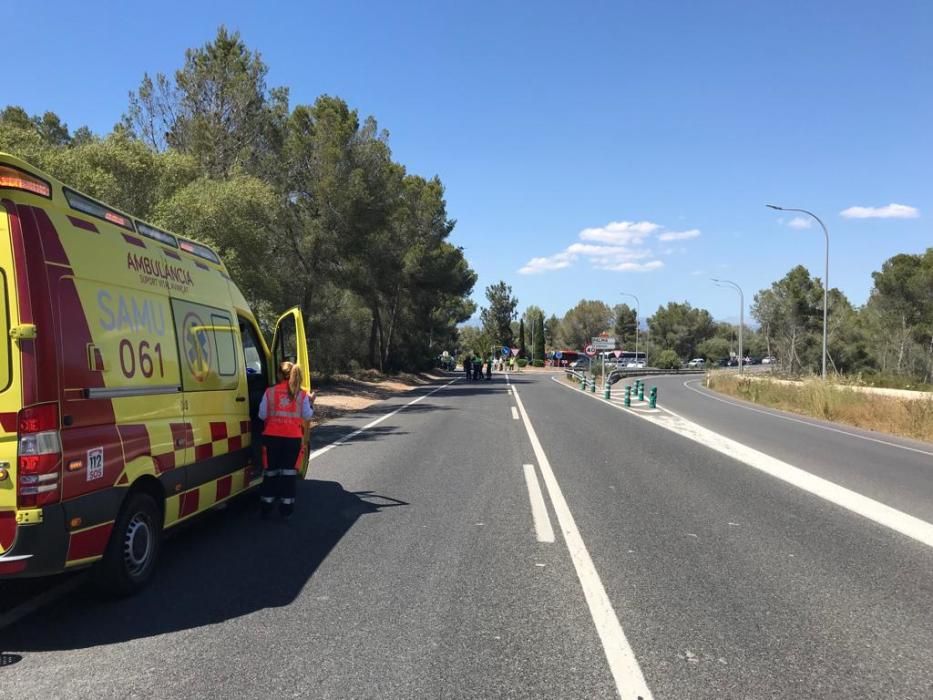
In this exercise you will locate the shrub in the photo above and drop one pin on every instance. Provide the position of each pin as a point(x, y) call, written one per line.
point(538, 363)
point(522, 362)
point(667, 359)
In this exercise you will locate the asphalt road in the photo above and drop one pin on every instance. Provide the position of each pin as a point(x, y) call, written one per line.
point(413, 568)
point(895, 471)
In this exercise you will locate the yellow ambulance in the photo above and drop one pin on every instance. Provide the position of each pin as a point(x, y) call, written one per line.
point(131, 369)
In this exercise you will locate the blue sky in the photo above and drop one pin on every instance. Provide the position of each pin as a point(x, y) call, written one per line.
point(574, 137)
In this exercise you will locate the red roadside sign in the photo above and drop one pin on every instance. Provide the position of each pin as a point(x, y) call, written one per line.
point(590, 350)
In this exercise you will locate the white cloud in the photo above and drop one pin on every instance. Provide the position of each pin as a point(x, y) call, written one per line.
point(607, 254)
point(590, 249)
point(679, 235)
point(892, 211)
point(553, 262)
point(634, 266)
point(697, 273)
point(800, 222)
point(618, 246)
point(620, 232)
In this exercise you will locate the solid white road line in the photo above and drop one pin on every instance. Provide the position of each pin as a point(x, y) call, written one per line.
point(804, 422)
point(876, 511)
point(321, 450)
point(543, 530)
point(514, 413)
point(630, 682)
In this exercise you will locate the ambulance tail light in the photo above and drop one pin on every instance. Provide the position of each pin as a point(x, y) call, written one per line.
point(39, 456)
point(16, 179)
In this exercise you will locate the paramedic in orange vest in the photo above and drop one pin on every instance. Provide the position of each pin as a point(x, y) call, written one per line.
point(286, 410)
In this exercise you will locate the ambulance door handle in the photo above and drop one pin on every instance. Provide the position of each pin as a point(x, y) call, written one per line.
point(240, 399)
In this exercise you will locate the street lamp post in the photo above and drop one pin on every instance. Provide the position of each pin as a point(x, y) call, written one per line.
point(723, 283)
point(637, 320)
point(825, 275)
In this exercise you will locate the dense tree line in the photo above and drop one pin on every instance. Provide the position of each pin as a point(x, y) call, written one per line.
point(304, 203)
point(891, 335)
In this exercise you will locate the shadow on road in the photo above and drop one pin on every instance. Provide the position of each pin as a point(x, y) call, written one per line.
point(225, 565)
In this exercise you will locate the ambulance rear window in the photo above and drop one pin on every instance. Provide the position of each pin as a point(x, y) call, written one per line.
point(86, 205)
point(156, 234)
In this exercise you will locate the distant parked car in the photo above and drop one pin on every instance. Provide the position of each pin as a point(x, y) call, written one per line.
point(697, 362)
point(636, 364)
point(582, 363)
point(770, 360)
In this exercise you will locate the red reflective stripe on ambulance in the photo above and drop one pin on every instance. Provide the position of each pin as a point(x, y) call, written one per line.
point(8, 422)
point(188, 503)
point(224, 486)
point(218, 430)
point(182, 435)
point(165, 462)
point(135, 441)
point(48, 236)
point(7, 529)
point(39, 385)
point(89, 543)
point(26, 267)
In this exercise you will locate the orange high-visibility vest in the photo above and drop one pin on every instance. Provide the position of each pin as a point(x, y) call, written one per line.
point(283, 413)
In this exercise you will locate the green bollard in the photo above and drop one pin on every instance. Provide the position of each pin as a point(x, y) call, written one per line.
point(606, 391)
point(593, 385)
point(641, 392)
point(583, 383)
point(627, 399)
point(653, 397)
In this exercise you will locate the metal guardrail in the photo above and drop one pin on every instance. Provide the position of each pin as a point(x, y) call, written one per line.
point(617, 374)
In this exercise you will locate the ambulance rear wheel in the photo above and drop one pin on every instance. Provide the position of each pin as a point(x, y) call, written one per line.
point(131, 554)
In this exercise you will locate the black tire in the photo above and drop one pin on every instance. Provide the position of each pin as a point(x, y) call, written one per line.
point(133, 549)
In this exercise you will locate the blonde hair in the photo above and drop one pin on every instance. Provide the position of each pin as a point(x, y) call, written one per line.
point(291, 372)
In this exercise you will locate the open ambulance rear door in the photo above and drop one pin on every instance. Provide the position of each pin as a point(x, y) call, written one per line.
point(290, 343)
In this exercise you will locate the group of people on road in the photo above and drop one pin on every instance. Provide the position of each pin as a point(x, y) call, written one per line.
point(476, 368)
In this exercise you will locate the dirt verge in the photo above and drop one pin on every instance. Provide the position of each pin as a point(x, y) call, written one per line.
point(342, 394)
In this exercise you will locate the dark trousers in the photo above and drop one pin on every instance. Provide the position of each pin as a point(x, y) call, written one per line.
point(280, 478)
